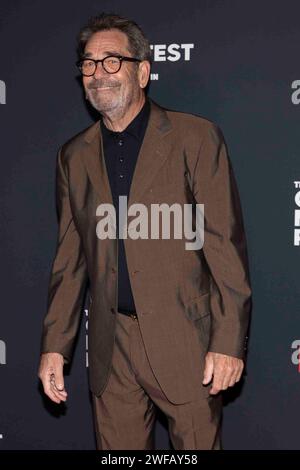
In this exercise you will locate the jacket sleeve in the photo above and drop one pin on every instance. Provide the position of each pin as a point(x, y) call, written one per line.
point(225, 249)
point(68, 276)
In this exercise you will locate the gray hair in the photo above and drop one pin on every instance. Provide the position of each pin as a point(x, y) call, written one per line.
point(138, 44)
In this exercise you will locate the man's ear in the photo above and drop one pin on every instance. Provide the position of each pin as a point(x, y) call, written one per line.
point(144, 73)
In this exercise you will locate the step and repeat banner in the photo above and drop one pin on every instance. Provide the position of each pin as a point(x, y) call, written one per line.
point(233, 62)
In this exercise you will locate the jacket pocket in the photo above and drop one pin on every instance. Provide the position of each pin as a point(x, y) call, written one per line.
point(198, 307)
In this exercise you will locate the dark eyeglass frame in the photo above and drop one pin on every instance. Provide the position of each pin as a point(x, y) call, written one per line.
point(120, 57)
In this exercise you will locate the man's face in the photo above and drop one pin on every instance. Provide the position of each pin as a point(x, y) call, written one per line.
point(111, 92)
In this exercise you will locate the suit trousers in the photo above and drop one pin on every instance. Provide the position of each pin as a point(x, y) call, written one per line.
point(125, 413)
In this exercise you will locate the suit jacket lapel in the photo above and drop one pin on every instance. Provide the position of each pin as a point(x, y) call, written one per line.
point(94, 161)
point(155, 149)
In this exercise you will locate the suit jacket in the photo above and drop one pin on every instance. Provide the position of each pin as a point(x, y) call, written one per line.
point(187, 301)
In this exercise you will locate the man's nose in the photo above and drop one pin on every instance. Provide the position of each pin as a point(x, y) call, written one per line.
point(99, 72)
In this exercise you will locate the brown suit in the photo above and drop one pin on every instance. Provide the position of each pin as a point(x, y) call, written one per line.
point(187, 301)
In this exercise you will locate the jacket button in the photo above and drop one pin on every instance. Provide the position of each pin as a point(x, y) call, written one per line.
point(112, 310)
point(113, 270)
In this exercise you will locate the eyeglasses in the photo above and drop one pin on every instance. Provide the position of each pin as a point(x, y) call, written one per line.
point(111, 64)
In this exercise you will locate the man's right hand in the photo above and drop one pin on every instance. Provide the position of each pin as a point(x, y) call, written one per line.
point(51, 375)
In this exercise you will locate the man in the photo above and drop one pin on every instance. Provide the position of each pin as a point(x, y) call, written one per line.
point(167, 325)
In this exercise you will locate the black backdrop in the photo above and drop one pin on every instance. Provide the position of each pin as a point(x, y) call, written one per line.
point(238, 66)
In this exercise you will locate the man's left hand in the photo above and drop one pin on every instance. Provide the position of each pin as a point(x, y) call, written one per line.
point(225, 371)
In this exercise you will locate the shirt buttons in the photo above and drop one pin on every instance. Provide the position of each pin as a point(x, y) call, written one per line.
point(121, 176)
point(120, 142)
point(121, 159)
